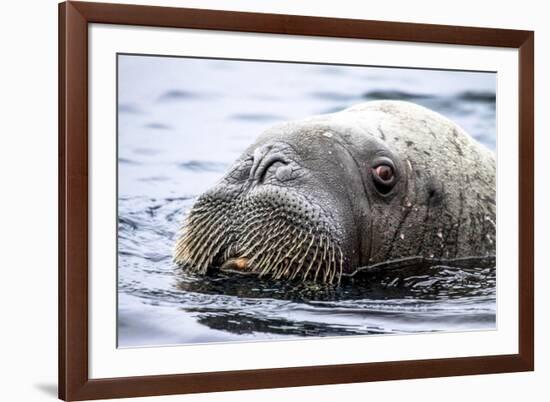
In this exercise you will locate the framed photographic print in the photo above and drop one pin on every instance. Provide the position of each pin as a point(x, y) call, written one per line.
point(259, 200)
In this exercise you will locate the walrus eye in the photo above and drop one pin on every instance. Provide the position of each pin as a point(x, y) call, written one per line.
point(383, 175)
point(384, 172)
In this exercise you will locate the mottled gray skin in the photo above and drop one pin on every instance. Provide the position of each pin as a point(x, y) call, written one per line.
point(301, 202)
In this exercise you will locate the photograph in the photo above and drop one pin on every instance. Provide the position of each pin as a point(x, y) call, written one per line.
point(267, 200)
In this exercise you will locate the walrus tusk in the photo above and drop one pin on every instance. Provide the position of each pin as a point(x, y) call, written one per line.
point(238, 264)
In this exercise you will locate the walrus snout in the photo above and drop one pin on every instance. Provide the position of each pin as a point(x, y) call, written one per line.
point(262, 226)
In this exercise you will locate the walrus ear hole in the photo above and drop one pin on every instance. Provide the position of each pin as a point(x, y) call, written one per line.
point(383, 175)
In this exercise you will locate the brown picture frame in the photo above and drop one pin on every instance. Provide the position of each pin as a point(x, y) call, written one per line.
point(74, 381)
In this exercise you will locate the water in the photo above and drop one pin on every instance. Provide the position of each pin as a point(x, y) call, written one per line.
point(182, 122)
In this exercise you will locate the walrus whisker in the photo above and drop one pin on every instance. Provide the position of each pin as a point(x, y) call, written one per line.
point(227, 253)
point(183, 247)
point(324, 248)
point(305, 254)
point(287, 256)
point(252, 228)
point(262, 256)
point(317, 269)
point(205, 229)
point(198, 247)
point(280, 260)
point(196, 218)
point(289, 239)
point(204, 219)
point(324, 263)
point(278, 266)
point(330, 267)
point(266, 268)
point(210, 253)
point(260, 253)
point(313, 260)
point(251, 244)
point(262, 267)
point(334, 271)
point(296, 244)
point(200, 253)
point(299, 245)
point(335, 265)
point(269, 256)
point(341, 265)
point(254, 218)
point(267, 244)
point(186, 243)
point(275, 246)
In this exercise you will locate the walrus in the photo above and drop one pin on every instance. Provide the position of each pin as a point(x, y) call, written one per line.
point(320, 198)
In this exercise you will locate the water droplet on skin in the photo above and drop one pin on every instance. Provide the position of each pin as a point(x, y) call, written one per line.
point(327, 134)
point(402, 236)
point(440, 235)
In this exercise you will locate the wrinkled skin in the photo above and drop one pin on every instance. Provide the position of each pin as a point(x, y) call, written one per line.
point(306, 202)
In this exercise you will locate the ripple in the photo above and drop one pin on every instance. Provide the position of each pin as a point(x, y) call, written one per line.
point(157, 126)
point(127, 161)
point(146, 151)
point(129, 109)
point(394, 95)
point(154, 179)
point(257, 117)
point(482, 97)
point(203, 166)
point(334, 96)
point(179, 95)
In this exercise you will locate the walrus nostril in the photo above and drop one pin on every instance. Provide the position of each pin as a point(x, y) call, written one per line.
point(263, 161)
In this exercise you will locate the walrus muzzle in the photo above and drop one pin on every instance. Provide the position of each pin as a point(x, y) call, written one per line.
point(252, 222)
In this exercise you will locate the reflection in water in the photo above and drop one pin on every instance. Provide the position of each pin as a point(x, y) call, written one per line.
point(178, 135)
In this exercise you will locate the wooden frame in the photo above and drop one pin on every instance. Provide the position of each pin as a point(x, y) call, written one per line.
point(74, 382)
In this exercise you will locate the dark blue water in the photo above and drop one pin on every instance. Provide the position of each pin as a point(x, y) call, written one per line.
point(182, 122)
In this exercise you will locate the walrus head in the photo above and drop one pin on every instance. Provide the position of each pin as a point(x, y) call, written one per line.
point(318, 199)
point(295, 205)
